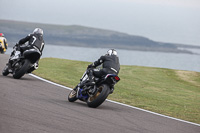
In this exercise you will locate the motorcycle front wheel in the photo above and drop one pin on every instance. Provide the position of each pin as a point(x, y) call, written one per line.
point(72, 95)
point(5, 71)
point(21, 69)
point(101, 95)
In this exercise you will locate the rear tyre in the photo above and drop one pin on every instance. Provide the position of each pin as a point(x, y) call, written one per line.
point(99, 97)
point(19, 72)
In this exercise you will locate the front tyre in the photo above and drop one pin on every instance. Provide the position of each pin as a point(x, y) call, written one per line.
point(72, 95)
point(5, 71)
point(21, 69)
point(99, 97)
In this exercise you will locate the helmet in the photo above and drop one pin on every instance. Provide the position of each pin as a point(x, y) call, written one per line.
point(38, 31)
point(1, 34)
point(112, 52)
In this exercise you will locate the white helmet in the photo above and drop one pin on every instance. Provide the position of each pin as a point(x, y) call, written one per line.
point(38, 31)
point(112, 52)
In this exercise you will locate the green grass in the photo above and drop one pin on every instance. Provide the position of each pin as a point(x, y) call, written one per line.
point(170, 92)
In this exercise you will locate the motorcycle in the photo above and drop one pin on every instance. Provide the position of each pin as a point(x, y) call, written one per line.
point(2, 49)
point(95, 95)
point(22, 63)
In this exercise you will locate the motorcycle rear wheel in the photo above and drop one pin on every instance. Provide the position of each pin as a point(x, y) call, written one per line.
point(17, 74)
point(99, 97)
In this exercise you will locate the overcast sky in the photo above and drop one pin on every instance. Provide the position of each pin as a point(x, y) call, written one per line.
point(176, 21)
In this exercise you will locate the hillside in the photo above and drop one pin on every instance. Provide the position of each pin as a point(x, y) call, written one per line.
point(75, 35)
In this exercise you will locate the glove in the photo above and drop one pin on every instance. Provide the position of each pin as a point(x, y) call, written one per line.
point(90, 66)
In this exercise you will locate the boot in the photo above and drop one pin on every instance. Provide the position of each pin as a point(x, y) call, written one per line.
point(92, 89)
point(91, 79)
point(90, 83)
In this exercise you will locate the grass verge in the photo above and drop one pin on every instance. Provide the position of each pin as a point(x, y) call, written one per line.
point(170, 92)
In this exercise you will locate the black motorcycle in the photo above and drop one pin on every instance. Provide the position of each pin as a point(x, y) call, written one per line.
point(94, 95)
point(22, 63)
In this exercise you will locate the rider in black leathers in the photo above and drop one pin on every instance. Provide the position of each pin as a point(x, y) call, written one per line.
point(110, 65)
point(35, 41)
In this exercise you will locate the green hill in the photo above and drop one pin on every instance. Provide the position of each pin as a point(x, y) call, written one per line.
point(75, 35)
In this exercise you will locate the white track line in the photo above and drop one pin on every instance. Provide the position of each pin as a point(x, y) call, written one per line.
point(119, 103)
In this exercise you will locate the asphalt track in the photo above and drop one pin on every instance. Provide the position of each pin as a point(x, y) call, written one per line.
point(30, 105)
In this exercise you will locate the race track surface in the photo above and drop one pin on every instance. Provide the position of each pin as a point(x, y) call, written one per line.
point(29, 105)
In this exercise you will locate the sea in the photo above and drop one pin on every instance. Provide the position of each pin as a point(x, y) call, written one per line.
point(179, 61)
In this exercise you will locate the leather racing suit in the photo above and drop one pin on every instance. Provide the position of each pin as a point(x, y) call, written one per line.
point(110, 64)
point(3, 43)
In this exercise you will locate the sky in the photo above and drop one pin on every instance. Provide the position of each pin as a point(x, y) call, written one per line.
point(174, 21)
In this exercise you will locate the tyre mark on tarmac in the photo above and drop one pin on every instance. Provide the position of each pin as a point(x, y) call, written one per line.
point(34, 106)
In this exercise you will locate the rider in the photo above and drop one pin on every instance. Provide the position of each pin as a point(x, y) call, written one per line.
point(3, 42)
point(35, 41)
point(110, 65)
